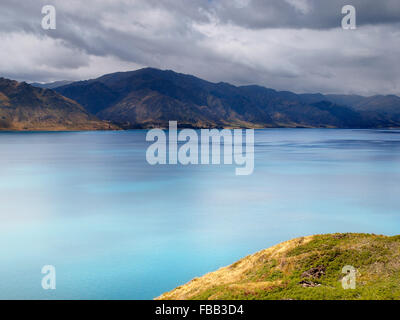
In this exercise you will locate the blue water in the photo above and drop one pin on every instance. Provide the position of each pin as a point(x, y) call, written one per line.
point(117, 228)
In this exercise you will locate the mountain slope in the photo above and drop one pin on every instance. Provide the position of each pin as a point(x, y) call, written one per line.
point(305, 268)
point(24, 107)
point(151, 97)
point(381, 110)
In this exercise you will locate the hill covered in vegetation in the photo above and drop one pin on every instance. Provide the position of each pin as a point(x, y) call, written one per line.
point(305, 268)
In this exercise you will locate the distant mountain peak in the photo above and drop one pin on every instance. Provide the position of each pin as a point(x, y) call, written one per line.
point(51, 85)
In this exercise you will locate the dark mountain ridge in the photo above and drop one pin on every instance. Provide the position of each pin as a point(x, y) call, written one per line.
point(150, 97)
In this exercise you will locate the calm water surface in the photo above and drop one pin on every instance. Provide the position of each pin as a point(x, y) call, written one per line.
point(118, 228)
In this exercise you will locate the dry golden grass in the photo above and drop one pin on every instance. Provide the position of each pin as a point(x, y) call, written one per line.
point(235, 272)
point(278, 272)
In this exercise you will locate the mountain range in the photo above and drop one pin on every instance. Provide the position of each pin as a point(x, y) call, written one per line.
point(149, 98)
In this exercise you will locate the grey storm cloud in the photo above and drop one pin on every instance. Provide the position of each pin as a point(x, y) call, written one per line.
point(314, 14)
point(293, 45)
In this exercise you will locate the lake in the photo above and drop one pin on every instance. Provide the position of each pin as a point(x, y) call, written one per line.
point(116, 227)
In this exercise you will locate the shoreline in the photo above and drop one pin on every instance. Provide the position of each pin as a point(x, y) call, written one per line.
point(195, 128)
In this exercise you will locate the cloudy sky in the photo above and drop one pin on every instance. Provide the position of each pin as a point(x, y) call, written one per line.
point(296, 45)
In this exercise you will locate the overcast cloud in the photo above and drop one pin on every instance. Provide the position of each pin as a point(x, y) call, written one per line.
point(295, 45)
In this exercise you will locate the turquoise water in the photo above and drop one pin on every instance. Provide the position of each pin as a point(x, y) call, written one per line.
point(117, 228)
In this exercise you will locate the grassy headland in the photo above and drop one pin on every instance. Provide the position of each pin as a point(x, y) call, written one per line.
point(305, 268)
